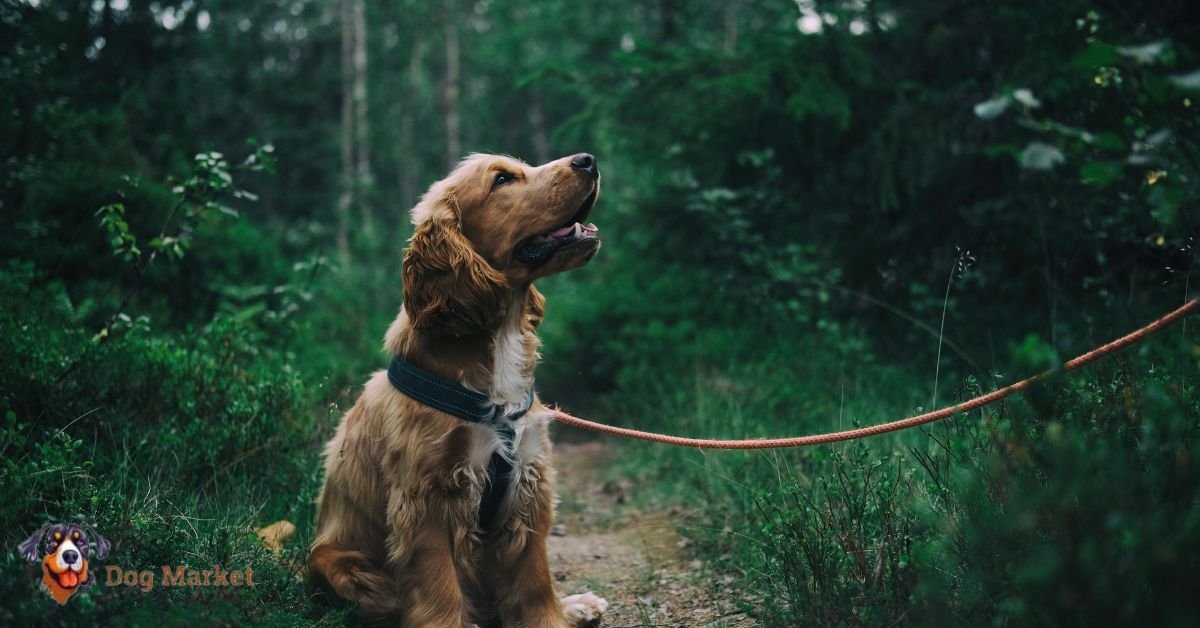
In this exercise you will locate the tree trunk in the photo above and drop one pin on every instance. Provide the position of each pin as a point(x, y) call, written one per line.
point(667, 14)
point(407, 161)
point(537, 121)
point(731, 27)
point(346, 195)
point(362, 165)
point(450, 88)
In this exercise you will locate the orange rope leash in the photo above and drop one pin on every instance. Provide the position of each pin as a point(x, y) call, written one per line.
point(818, 439)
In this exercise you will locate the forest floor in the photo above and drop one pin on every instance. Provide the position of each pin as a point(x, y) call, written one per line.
point(632, 556)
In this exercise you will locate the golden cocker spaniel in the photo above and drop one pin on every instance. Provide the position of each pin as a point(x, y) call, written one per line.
point(439, 492)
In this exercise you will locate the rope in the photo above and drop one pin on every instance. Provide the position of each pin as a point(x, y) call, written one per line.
point(833, 437)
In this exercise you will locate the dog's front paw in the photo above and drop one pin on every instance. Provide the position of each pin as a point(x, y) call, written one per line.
point(584, 610)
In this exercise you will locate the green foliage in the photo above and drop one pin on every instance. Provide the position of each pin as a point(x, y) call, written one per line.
point(197, 195)
point(1077, 508)
point(841, 543)
point(124, 243)
point(162, 442)
point(1073, 504)
point(172, 441)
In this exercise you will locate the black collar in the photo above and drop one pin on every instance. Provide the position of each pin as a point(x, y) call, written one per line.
point(452, 398)
point(449, 396)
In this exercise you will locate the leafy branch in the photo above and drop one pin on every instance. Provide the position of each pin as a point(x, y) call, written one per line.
point(201, 193)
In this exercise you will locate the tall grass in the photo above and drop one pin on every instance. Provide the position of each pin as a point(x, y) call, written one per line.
point(1072, 504)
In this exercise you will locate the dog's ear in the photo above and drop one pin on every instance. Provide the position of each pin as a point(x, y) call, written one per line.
point(448, 287)
point(101, 544)
point(29, 548)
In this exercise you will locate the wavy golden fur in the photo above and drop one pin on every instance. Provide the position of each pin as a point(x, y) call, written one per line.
point(398, 531)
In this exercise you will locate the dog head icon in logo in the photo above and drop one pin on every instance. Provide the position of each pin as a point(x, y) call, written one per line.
point(65, 562)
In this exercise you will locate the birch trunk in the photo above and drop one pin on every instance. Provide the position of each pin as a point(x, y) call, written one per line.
point(346, 194)
point(409, 165)
point(450, 89)
point(537, 120)
point(362, 164)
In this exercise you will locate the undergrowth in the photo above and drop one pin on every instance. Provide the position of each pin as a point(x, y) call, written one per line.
point(175, 447)
point(1072, 504)
point(176, 404)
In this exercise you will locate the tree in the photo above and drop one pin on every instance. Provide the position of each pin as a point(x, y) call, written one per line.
point(355, 139)
point(450, 85)
point(346, 196)
point(362, 163)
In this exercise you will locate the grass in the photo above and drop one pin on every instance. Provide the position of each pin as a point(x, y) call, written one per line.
point(1073, 503)
point(174, 446)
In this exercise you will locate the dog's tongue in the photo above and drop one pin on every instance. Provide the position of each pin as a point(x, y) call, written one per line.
point(68, 579)
point(575, 229)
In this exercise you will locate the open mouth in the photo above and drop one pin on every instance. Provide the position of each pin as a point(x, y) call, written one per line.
point(539, 248)
point(67, 579)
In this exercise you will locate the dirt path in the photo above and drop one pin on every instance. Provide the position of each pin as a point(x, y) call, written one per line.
point(633, 558)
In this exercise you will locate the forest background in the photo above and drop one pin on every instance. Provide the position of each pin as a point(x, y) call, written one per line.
point(816, 214)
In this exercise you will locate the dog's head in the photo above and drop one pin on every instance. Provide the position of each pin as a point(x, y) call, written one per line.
point(65, 557)
point(495, 223)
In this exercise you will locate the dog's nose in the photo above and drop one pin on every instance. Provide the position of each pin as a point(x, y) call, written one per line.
point(585, 162)
point(70, 556)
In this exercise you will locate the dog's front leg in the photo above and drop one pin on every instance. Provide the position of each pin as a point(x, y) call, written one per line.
point(530, 600)
point(421, 551)
point(526, 586)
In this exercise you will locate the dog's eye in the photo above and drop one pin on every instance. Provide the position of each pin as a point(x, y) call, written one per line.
point(75, 535)
point(501, 179)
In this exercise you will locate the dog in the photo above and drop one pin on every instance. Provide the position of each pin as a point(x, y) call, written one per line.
point(65, 564)
point(439, 492)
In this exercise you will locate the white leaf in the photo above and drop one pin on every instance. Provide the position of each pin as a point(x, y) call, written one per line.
point(989, 109)
point(1191, 80)
point(1146, 53)
point(1041, 156)
point(1025, 97)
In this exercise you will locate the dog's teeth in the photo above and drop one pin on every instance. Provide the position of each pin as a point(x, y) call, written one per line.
point(578, 229)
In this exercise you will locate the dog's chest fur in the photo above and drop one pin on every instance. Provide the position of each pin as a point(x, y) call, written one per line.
point(514, 355)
